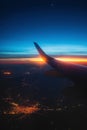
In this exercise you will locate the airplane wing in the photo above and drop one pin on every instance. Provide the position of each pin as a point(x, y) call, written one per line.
point(74, 72)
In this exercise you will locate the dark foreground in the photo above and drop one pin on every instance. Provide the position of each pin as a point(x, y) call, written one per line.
point(31, 100)
point(70, 120)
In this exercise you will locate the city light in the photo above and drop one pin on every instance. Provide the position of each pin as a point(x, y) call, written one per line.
point(7, 73)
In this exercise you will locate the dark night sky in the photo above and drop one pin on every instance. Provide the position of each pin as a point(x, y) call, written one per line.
point(60, 27)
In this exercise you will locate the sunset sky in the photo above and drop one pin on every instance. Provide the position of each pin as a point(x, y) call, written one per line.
point(59, 26)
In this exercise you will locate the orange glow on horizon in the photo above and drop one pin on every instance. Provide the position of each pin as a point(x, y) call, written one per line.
point(38, 60)
point(74, 59)
point(21, 60)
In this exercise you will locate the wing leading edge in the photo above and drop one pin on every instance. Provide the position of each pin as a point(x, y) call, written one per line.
point(70, 70)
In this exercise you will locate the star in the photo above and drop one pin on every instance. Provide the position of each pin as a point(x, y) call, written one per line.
point(52, 4)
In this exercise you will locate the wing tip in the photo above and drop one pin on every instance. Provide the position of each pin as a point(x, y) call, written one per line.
point(41, 52)
point(36, 44)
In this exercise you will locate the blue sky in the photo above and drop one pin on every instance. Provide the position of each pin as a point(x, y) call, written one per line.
point(59, 27)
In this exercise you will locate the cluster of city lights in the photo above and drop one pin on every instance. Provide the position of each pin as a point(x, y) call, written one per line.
point(20, 109)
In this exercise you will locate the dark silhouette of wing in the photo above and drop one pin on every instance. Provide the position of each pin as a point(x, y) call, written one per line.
point(75, 72)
